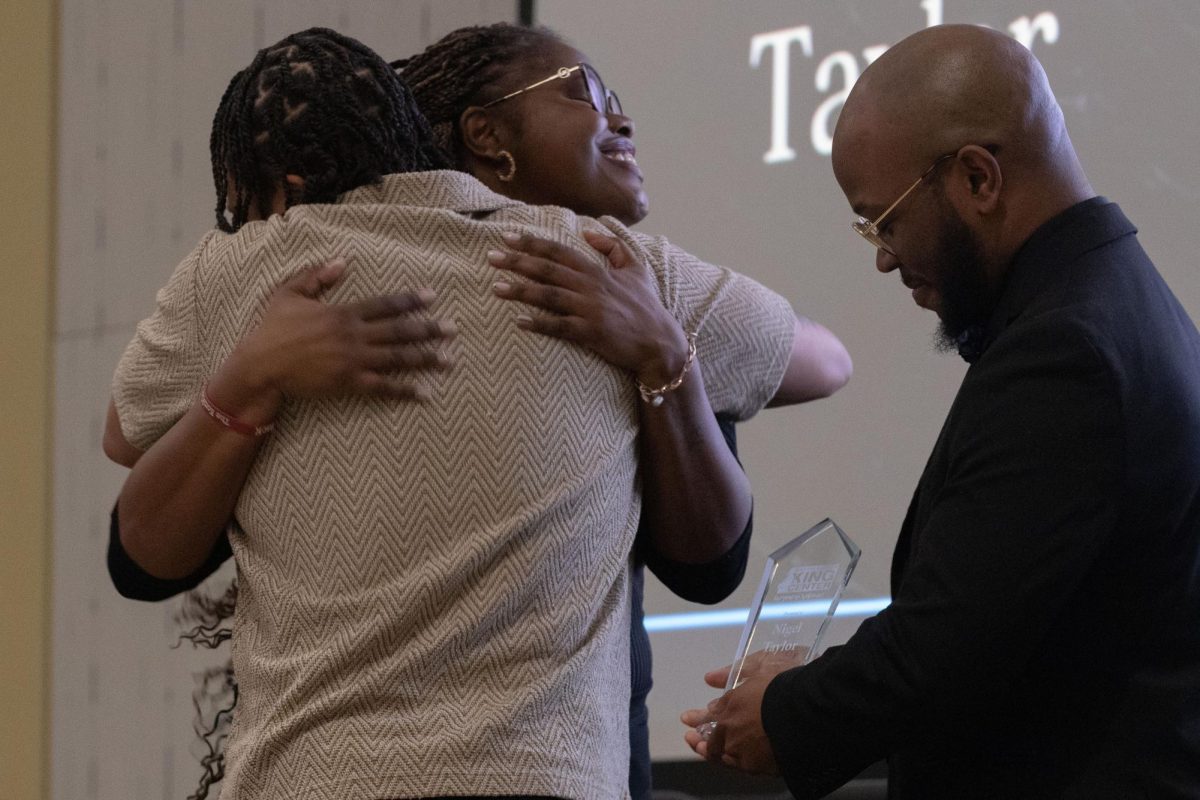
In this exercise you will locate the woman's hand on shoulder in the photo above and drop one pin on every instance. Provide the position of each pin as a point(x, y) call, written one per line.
point(305, 347)
point(608, 305)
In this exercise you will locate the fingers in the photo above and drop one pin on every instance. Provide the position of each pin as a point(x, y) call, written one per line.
point(314, 280)
point(539, 271)
point(405, 357)
point(548, 298)
point(392, 305)
point(613, 249)
point(569, 329)
point(717, 678)
point(697, 742)
point(402, 330)
point(329, 273)
point(715, 743)
point(550, 251)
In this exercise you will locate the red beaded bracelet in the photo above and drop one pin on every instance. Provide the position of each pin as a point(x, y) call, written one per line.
point(231, 422)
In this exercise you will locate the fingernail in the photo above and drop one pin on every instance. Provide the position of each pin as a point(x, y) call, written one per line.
point(496, 257)
point(524, 320)
point(501, 288)
point(421, 393)
point(447, 327)
point(511, 238)
point(426, 296)
point(442, 358)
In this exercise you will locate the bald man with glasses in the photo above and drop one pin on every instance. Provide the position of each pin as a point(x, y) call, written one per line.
point(1044, 635)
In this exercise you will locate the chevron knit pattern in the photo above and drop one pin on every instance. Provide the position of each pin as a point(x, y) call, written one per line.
point(434, 597)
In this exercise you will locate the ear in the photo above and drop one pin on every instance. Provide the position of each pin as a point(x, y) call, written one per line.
point(984, 178)
point(293, 190)
point(484, 134)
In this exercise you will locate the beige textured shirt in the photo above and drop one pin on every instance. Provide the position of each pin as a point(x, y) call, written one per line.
point(434, 597)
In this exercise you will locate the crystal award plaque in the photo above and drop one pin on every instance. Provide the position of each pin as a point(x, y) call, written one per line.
point(800, 590)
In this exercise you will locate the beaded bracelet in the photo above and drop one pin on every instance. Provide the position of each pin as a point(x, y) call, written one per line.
point(655, 396)
point(230, 421)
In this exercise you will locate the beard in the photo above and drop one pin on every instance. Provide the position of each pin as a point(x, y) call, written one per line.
point(967, 295)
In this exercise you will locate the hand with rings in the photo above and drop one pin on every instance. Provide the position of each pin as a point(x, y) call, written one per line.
point(729, 730)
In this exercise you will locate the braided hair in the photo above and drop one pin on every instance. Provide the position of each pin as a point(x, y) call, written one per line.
point(255, 144)
point(319, 105)
point(463, 69)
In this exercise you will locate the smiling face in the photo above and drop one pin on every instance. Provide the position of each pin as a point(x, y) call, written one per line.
point(567, 153)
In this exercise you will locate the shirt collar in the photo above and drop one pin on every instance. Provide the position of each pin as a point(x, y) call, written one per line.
point(1081, 228)
point(447, 189)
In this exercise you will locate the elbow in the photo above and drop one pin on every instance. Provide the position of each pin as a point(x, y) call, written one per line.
point(835, 370)
point(118, 449)
point(114, 452)
point(820, 367)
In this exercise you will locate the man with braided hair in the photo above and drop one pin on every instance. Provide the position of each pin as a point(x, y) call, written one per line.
point(434, 596)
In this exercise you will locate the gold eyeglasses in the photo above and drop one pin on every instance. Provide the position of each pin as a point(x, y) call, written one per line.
point(870, 230)
point(602, 99)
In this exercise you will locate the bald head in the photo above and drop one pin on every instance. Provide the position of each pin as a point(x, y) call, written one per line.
point(950, 86)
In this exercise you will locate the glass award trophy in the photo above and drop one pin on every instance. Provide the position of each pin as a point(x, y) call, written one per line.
point(800, 590)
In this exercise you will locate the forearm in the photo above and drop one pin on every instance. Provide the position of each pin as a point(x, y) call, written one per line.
point(133, 582)
point(181, 492)
point(696, 497)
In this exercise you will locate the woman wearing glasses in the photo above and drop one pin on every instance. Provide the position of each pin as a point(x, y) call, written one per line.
point(528, 116)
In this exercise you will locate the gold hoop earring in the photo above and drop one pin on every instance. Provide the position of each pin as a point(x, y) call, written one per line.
point(509, 172)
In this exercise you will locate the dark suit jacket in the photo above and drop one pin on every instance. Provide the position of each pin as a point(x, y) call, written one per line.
point(1044, 636)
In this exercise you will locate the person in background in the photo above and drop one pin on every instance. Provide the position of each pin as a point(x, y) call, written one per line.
point(1042, 641)
point(500, 111)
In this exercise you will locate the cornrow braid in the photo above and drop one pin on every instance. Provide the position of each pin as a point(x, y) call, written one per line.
point(462, 69)
point(321, 106)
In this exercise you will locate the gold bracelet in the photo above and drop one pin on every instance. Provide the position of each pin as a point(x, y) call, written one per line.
point(655, 396)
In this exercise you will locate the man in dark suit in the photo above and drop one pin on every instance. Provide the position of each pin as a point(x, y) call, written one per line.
point(1044, 636)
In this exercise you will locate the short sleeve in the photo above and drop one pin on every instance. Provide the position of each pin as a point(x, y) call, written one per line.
point(162, 369)
point(744, 330)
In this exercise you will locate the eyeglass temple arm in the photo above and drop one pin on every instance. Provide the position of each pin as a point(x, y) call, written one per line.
point(909, 190)
point(562, 73)
point(899, 200)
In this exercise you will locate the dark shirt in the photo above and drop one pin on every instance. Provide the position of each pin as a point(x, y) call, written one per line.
point(1044, 637)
